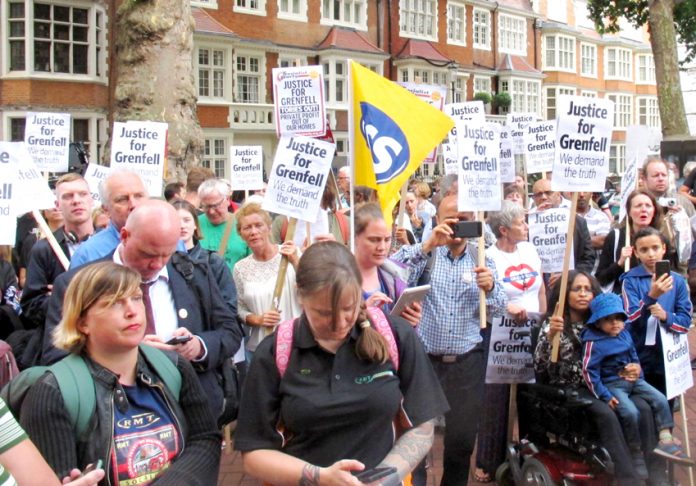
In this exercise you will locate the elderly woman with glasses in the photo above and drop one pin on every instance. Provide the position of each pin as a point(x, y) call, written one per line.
point(519, 265)
point(214, 200)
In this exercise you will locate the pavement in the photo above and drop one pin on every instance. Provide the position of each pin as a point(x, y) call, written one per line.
point(232, 471)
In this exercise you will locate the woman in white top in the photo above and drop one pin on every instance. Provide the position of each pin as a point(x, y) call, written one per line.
point(255, 277)
point(519, 271)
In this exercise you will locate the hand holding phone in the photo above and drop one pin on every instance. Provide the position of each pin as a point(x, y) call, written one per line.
point(371, 475)
point(662, 267)
point(179, 340)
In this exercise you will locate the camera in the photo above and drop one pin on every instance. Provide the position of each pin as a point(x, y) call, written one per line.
point(467, 229)
point(667, 202)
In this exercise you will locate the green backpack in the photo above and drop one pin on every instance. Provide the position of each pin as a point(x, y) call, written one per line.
point(77, 386)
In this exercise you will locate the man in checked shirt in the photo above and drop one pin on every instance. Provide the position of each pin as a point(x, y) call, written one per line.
point(450, 331)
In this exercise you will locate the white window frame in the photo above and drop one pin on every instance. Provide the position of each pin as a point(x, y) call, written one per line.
point(645, 69)
point(557, 91)
point(618, 158)
point(651, 111)
point(97, 42)
point(261, 57)
point(300, 16)
point(593, 59)
point(225, 69)
point(213, 141)
point(588, 93)
point(623, 109)
point(456, 20)
point(523, 98)
point(510, 39)
point(288, 60)
point(560, 57)
point(248, 8)
point(623, 63)
point(210, 4)
point(413, 19)
point(481, 26)
point(352, 6)
point(332, 77)
point(410, 73)
point(483, 84)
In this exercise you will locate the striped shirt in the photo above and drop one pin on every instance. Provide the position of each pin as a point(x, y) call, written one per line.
point(450, 321)
point(11, 434)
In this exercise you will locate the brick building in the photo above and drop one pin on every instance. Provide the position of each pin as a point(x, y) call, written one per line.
point(54, 57)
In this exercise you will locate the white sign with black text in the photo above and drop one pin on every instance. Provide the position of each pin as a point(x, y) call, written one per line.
point(47, 136)
point(298, 96)
point(478, 149)
point(510, 353)
point(548, 231)
point(675, 352)
point(141, 147)
point(246, 167)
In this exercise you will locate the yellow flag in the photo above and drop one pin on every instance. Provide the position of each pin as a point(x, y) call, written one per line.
point(393, 131)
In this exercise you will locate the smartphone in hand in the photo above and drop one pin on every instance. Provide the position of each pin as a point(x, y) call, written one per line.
point(179, 340)
point(371, 475)
point(662, 267)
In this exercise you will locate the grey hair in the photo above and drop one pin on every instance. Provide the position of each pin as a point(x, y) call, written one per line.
point(447, 185)
point(509, 211)
point(211, 186)
point(104, 192)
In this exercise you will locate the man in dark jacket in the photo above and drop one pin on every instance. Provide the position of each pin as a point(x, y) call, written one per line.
point(181, 298)
point(75, 203)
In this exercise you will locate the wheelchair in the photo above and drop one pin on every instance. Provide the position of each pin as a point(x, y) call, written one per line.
point(560, 446)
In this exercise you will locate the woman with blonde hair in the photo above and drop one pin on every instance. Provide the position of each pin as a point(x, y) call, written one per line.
point(140, 429)
point(323, 392)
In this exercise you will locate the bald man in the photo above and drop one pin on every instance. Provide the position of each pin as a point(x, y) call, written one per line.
point(184, 297)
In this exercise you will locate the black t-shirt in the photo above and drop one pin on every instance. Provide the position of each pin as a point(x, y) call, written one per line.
point(335, 407)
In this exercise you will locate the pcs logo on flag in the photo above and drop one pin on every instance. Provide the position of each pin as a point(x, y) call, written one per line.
point(387, 142)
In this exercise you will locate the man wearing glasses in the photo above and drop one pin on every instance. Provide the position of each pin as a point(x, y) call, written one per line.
point(343, 182)
point(214, 201)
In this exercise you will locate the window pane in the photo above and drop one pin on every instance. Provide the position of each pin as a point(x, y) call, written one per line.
point(42, 11)
point(80, 54)
point(61, 58)
point(61, 14)
point(42, 56)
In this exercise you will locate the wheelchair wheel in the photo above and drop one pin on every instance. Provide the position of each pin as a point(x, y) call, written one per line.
point(503, 475)
point(534, 473)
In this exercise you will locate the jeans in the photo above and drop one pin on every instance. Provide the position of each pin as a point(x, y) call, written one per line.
point(462, 383)
point(629, 414)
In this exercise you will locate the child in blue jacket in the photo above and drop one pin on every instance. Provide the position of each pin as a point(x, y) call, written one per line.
point(651, 302)
point(608, 352)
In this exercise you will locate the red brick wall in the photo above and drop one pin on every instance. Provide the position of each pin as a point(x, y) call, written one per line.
point(54, 94)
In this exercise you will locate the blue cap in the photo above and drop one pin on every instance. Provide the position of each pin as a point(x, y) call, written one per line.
point(605, 305)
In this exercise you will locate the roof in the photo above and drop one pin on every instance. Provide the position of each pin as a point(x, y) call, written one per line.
point(205, 24)
point(348, 40)
point(524, 5)
point(517, 64)
point(422, 50)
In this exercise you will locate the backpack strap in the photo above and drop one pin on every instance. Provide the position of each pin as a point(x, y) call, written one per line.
point(77, 389)
point(379, 320)
point(284, 335)
point(164, 367)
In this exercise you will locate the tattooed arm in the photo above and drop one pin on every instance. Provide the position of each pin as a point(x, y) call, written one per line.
point(280, 469)
point(409, 451)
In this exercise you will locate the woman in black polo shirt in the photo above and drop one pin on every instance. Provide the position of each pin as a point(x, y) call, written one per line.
point(331, 408)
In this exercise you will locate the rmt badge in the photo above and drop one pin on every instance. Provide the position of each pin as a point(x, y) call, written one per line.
point(388, 144)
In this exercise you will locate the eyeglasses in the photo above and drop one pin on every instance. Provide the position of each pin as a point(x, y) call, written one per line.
point(537, 195)
point(207, 207)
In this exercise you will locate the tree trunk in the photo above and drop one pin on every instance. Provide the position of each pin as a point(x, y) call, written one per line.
point(154, 75)
point(663, 39)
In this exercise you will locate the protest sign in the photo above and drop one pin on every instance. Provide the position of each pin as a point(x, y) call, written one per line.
point(548, 231)
point(23, 188)
point(510, 353)
point(675, 351)
point(141, 147)
point(639, 144)
point(449, 155)
point(583, 139)
point(95, 175)
point(47, 137)
point(540, 146)
point(299, 101)
point(478, 149)
point(507, 159)
point(246, 167)
point(298, 176)
point(469, 111)
point(517, 122)
point(435, 97)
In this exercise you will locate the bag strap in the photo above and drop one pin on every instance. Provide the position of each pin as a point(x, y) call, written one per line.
point(226, 235)
point(343, 226)
point(284, 335)
point(164, 367)
point(379, 320)
point(77, 389)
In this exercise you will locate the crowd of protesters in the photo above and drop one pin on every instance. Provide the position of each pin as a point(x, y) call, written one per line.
point(322, 373)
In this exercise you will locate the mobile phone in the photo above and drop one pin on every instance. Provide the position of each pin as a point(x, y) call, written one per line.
point(179, 340)
point(467, 229)
point(662, 267)
point(91, 467)
point(371, 475)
